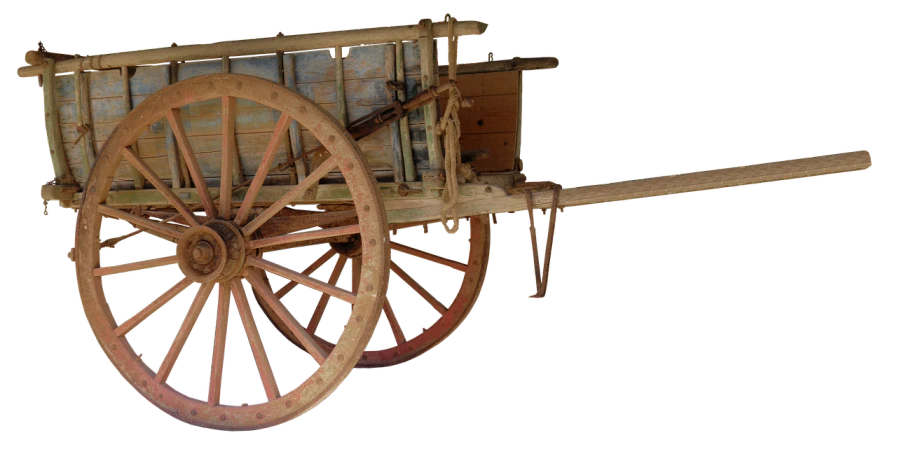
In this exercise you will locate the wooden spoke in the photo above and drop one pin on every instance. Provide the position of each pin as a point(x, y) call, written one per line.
point(303, 279)
point(322, 303)
point(282, 127)
point(314, 267)
point(162, 229)
point(130, 324)
point(220, 337)
point(228, 152)
point(300, 188)
point(428, 256)
point(255, 341)
point(393, 323)
point(177, 127)
point(356, 274)
point(419, 289)
point(201, 297)
point(304, 236)
point(307, 341)
point(154, 179)
point(136, 266)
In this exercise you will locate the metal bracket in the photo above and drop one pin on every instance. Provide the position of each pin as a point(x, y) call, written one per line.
point(542, 279)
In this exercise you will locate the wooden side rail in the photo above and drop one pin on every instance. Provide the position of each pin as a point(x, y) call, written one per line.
point(495, 66)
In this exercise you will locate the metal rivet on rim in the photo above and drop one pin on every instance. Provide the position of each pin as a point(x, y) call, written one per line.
point(193, 412)
point(372, 242)
point(358, 319)
point(239, 85)
point(367, 208)
point(160, 395)
point(370, 288)
point(319, 381)
point(273, 95)
point(114, 346)
point(289, 404)
point(222, 417)
point(331, 139)
point(259, 415)
point(143, 383)
point(303, 109)
point(350, 166)
point(340, 357)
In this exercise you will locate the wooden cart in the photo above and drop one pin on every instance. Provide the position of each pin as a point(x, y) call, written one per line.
point(211, 152)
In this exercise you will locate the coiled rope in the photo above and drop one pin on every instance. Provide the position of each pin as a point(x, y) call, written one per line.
point(450, 129)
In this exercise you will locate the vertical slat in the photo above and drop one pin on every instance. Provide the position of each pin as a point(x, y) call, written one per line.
point(287, 140)
point(139, 181)
point(170, 145)
point(54, 134)
point(185, 172)
point(398, 162)
point(236, 168)
point(289, 78)
point(404, 129)
point(342, 114)
point(429, 77)
point(519, 119)
point(82, 115)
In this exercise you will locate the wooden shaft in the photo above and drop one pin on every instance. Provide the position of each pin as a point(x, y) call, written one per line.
point(255, 46)
point(515, 64)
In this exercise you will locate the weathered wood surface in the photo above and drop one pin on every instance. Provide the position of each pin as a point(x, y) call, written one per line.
point(311, 73)
point(495, 66)
point(365, 72)
point(291, 43)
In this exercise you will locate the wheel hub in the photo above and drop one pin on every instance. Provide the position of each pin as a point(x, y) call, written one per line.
point(351, 249)
point(236, 247)
point(214, 252)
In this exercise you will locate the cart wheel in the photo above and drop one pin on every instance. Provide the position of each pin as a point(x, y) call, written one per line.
point(415, 317)
point(212, 247)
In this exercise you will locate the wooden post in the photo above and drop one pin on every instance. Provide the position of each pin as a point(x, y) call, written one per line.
point(83, 119)
point(428, 75)
point(342, 114)
point(398, 162)
point(185, 172)
point(54, 134)
point(404, 129)
point(236, 168)
point(289, 78)
point(171, 148)
point(287, 139)
point(518, 164)
point(139, 181)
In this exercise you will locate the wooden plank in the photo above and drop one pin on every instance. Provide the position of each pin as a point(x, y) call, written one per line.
point(501, 146)
point(410, 173)
point(210, 162)
point(256, 46)
point(366, 62)
point(139, 181)
point(474, 85)
point(490, 114)
point(429, 77)
point(289, 77)
point(398, 164)
point(54, 135)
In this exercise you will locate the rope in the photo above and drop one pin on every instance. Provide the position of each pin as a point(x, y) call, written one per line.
point(450, 129)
